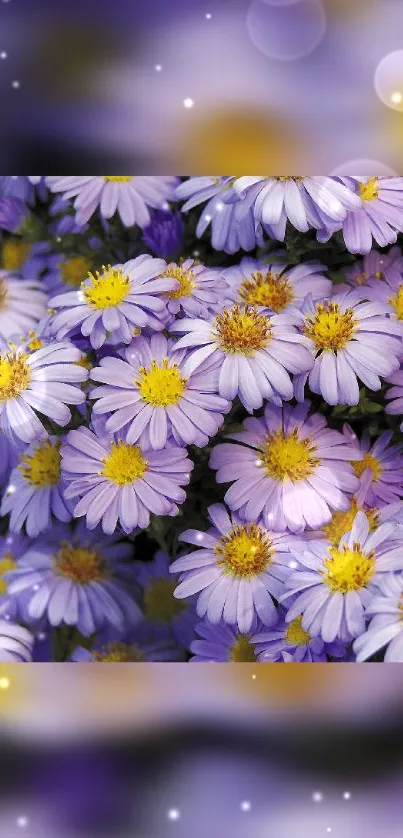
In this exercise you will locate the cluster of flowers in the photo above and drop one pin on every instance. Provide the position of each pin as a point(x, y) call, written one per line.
point(129, 381)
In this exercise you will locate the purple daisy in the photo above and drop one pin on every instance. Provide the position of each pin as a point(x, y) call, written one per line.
point(375, 266)
point(22, 305)
point(76, 578)
point(160, 608)
point(12, 546)
point(151, 398)
point(16, 643)
point(254, 350)
point(199, 292)
point(35, 489)
point(40, 380)
point(222, 643)
point(64, 273)
point(119, 301)
point(116, 481)
point(130, 196)
point(381, 469)
point(334, 584)
point(395, 395)
point(274, 286)
point(388, 289)
point(238, 571)
point(380, 217)
point(135, 645)
point(304, 201)
point(290, 643)
point(386, 625)
point(351, 339)
point(288, 467)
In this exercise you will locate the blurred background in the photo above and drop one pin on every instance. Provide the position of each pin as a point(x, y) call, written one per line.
point(201, 86)
point(161, 750)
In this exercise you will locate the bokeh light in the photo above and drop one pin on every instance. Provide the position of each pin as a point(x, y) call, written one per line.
point(389, 80)
point(286, 33)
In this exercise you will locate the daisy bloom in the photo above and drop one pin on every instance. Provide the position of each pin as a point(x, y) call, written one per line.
point(351, 339)
point(129, 195)
point(119, 301)
point(237, 572)
point(386, 625)
point(380, 217)
point(151, 398)
point(135, 645)
point(76, 578)
point(255, 351)
point(160, 607)
point(274, 286)
point(290, 643)
point(221, 644)
point(381, 469)
point(20, 257)
point(334, 584)
point(288, 467)
point(304, 201)
point(375, 266)
point(389, 290)
point(22, 305)
point(65, 273)
point(199, 291)
point(35, 489)
point(16, 643)
point(116, 481)
point(43, 380)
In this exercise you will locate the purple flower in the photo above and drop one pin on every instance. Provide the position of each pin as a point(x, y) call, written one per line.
point(388, 289)
point(375, 266)
point(222, 643)
point(288, 467)
point(351, 339)
point(135, 645)
point(120, 301)
point(41, 380)
point(12, 213)
point(76, 578)
point(151, 398)
point(12, 546)
point(164, 234)
point(22, 305)
point(381, 469)
point(200, 290)
point(160, 607)
point(120, 482)
point(333, 585)
point(22, 258)
point(16, 643)
point(290, 643)
point(380, 217)
point(386, 625)
point(395, 394)
point(237, 571)
point(255, 351)
point(274, 286)
point(129, 195)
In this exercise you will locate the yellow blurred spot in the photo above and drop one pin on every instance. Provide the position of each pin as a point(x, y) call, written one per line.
point(4, 683)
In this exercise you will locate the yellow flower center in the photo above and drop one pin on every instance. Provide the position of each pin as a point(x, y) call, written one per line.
point(397, 302)
point(242, 329)
point(348, 569)
point(118, 178)
point(3, 294)
point(295, 634)
point(74, 270)
point(107, 289)
point(368, 461)
point(14, 254)
point(242, 651)
point(342, 522)
point(186, 282)
point(119, 653)
point(42, 468)
point(370, 190)
point(161, 385)
point(298, 178)
point(79, 564)
point(124, 464)
point(15, 375)
point(34, 342)
point(286, 457)
point(159, 601)
point(267, 289)
point(245, 551)
point(328, 328)
point(7, 563)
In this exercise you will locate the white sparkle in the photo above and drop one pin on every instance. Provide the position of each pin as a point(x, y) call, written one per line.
point(258, 463)
point(158, 68)
point(58, 238)
point(292, 564)
point(253, 677)
point(347, 795)
point(80, 296)
point(10, 490)
point(396, 97)
point(200, 536)
point(173, 815)
point(317, 797)
point(208, 16)
point(245, 806)
point(3, 54)
point(219, 206)
point(16, 84)
point(196, 253)
point(35, 588)
point(22, 821)
point(207, 217)
point(4, 683)
point(329, 829)
point(41, 636)
point(188, 103)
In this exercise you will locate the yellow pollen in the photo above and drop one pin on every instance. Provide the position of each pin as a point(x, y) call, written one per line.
point(342, 522)
point(397, 302)
point(298, 178)
point(242, 329)
point(7, 563)
point(370, 190)
point(159, 601)
point(74, 270)
point(368, 461)
point(79, 564)
point(107, 289)
point(34, 342)
point(84, 362)
point(267, 289)
point(161, 385)
point(186, 281)
point(14, 254)
point(362, 278)
point(245, 551)
point(43, 467)
point(118, 178)
point(3, 294)
point(348, 569)
point(328, 328)
point(287, 457)
point(124, 464)
point(295, 634)
point(15, 375)
point(119, 653)
point(242, 651)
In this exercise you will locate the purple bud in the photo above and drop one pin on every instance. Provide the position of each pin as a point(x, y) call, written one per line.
point(12, 213)
point(164, 234)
